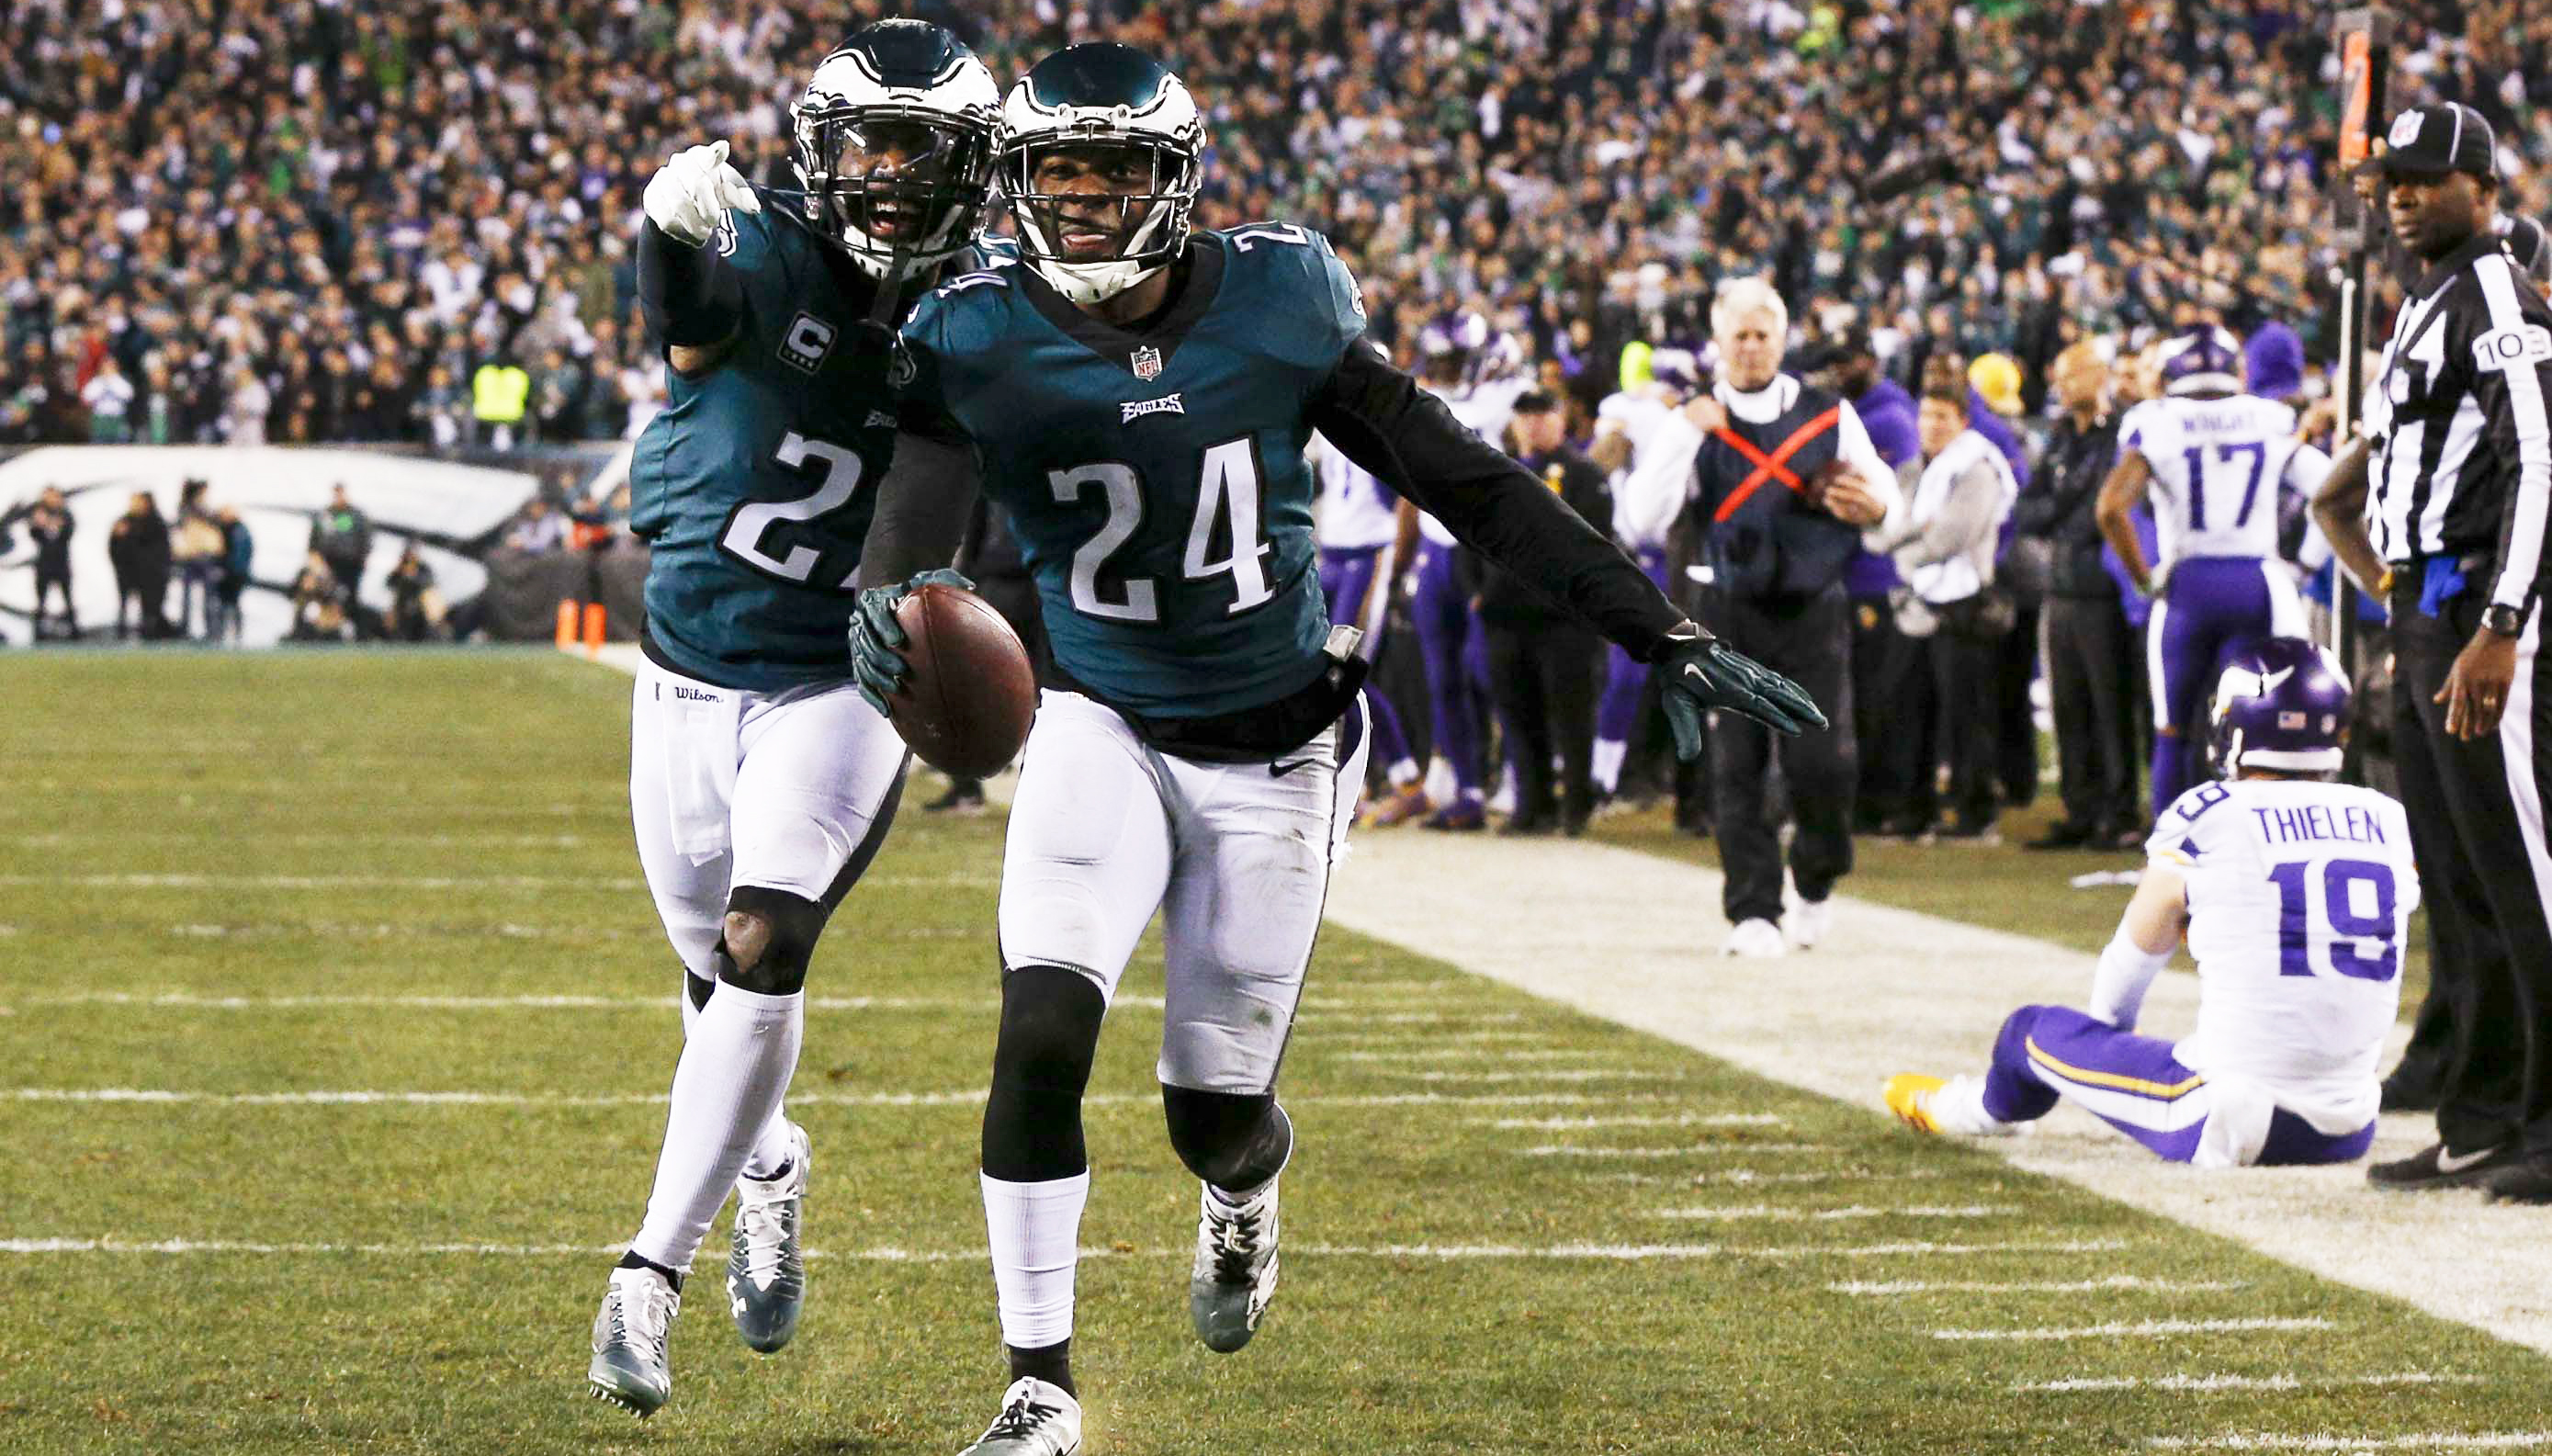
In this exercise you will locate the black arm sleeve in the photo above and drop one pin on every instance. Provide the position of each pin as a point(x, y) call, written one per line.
point(690, 295)
point(1410, 441)
point(922, 508)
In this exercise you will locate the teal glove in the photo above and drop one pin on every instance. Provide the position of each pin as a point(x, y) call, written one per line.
point(878, 640)
point(1700, 672)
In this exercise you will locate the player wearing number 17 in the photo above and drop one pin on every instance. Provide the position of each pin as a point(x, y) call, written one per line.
point(1136, 399)
point(2216, 463)
point(2294, 891)
point(760, 782)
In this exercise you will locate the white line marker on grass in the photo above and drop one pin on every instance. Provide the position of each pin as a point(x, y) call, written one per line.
point(1748, 1177)
point(2143, 1329)
point(160, 1095)
point(2114, 1284)
point(2202, 1384)
point(1697, 1150)
point(890, 1255)
point(1830, 1215)
point(1686, 1119)
point(2504, 1441)
point(1467, 1054)
point(1546, 1074)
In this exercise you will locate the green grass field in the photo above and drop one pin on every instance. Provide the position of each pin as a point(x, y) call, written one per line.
point(240, 880)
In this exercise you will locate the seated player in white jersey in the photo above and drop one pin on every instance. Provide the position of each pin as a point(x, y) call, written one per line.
point(2216, 464)
point(2294, 891)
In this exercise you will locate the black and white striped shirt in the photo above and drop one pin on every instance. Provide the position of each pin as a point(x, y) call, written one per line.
point(2463, 447)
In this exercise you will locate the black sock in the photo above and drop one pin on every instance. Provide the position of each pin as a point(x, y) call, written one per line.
point(631, 1259)
point(1049, 1363)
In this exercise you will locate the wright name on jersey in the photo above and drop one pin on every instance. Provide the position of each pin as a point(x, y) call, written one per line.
point(2300, 895)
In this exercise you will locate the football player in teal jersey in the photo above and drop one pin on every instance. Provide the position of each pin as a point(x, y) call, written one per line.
point(761, 783)
point(1137, 398)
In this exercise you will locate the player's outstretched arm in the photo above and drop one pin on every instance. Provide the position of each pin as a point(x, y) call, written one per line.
point(1380, 418)
point(923, 504)
point(691, 297)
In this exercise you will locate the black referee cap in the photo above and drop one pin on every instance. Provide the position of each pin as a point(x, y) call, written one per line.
point(2448, 137)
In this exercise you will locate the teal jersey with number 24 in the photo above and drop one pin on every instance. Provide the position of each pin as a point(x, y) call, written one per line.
point(1155, 480)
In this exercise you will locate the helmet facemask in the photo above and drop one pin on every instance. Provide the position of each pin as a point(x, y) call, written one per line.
point(1098, 213)
point(901, 188)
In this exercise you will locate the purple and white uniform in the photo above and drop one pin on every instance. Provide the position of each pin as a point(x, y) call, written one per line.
point(2299, 896)
point(1354, 523)
point(2219, 469)
point(1456, 655)
point(1647, 495)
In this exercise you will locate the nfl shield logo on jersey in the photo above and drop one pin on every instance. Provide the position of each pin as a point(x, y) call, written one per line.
point(1147, 363)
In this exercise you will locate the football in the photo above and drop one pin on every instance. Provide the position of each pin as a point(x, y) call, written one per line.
point(966, 705)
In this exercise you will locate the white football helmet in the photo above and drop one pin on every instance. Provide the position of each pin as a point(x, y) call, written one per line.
point(1092, 100)
point(895, 138)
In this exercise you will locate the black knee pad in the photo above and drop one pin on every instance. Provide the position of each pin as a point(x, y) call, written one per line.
point(788, 926)
point(1051, 1017)
point(1232, 1140)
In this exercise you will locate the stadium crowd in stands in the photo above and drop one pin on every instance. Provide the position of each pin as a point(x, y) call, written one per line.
point(297, 220)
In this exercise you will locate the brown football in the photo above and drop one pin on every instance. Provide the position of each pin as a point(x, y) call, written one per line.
point(966, 705)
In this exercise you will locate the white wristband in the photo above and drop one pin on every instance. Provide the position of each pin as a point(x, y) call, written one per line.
point(2118, 986)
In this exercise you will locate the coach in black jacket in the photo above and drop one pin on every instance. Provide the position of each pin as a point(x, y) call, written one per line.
point(1783, 483)
point(1545, 666)
point(2456, 535)
point(2091, 652)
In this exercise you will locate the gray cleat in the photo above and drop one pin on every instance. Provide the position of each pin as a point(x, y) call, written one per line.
point(629, 1368)
point(1036, 1419)
point(1234, 1275)
point(766, 1275)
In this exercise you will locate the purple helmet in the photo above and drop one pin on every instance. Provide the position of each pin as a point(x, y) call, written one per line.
point(2204, 360)
point(2281, 703)
point(1676, 368)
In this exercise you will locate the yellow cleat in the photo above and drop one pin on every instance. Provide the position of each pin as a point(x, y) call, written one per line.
point(1909, 1096)
point(1401, 805)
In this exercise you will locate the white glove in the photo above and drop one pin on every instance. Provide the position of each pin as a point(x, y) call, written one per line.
point(691, 193)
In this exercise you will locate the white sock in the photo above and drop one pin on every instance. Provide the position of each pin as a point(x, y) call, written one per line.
point(772, 1148)
point(735, 1068)
point(1959, 1106)
point(1402, 773)
point(1035, 1230)
point(1606, 766)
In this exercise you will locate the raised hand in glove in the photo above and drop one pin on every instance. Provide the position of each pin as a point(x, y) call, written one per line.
point(878, 640)
point(691, 193)
point(1700, 672)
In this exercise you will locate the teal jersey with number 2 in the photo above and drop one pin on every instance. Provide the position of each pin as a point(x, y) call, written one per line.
point(1155, 480)
point(755, 485)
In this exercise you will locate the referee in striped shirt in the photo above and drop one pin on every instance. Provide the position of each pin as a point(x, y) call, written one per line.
point(2456, 479)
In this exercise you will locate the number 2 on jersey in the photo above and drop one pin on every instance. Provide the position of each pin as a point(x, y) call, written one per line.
point(2297, 924)
point(754, 519)
point(1226, 490)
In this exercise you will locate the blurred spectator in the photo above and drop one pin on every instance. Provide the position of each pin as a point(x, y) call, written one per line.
point(540, 531)
point(320, 604)
point(1545, 665)
point(498, 395)
point(342, 535)
point(1945, 546)
point(238, 551)
point(2092, 658)
point(416, 605)
point(108, 397)
point(250, 402)
point(137, 547)
point(49, 526)
point(198, 549)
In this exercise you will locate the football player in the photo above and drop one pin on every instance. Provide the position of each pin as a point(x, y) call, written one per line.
point(1464, 363)
point(1137, 398)
point(760, 782)
point(1652, 478)
point(2294, 891)
point(1353, 526)
point(2217, 464)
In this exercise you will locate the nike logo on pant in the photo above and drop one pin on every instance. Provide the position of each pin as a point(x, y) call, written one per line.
point(1279, 771)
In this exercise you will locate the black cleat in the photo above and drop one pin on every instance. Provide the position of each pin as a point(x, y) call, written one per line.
point(2435, 1167)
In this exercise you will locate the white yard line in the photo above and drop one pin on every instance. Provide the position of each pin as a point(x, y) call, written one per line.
point(2140, 1330)
point(1829, 1216)
point(434, 1099)
point(1548, 1074)
point(2204, 1383)
point(1686, 1119)
point(2114, 1284)
point(2513, 1440)
point(1696, 1149)
point(1424, 1038)
point(892, 1254)
point(1890, 991)
point(418, 882)
point(1468, 1054)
